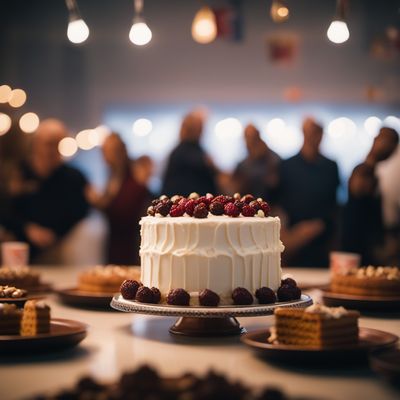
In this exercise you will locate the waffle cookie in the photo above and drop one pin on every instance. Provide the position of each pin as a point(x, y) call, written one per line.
point(368, 281)
point(106, 279)
point(10, 319)
point(316, 326)
point(35, 319)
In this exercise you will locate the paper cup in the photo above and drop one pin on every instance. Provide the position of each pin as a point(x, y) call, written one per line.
point(341, 262)
point(15, 254)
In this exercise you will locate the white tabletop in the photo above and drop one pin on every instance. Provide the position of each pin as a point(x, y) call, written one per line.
point(118, 342)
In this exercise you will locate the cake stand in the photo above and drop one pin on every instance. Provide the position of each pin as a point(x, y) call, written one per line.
point(206, 321)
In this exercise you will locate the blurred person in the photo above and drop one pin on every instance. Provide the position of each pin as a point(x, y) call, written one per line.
point(258, 173)
point(307, 197)
point(47, 196)
point(189, 169)
point(123, 201)
point(362, 223)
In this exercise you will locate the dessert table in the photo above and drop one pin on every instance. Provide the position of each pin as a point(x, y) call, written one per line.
point(117, 342)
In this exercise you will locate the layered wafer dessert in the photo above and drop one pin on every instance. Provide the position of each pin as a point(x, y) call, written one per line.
point(23, 277)
point(10, 319)
point(368, 281)
point(106, 279)
point(35, 318)
point(315, 326)
point(11, 292)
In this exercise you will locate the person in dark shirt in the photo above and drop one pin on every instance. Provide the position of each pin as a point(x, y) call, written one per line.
point(257, 174)
point(51, 199)
point(189, 169)
point(307, 195)
point(123, 202)
point(362, 224)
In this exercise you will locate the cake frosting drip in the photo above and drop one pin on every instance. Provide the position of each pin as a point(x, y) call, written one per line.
point(218, 253)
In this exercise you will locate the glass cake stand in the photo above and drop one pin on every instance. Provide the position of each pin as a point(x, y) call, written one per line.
point(206, 321)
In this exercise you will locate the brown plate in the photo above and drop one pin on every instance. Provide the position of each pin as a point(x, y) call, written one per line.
point(79, 298)
point(64, 333)
point(369, 339)
point(19, 302)
point(386, 363)
point(43, 287)
point(366, 303)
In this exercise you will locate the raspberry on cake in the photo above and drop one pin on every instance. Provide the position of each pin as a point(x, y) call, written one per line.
point(219, 244)
point(35, 318)
point(10, 319)
point(106, 279)
point(368, 281)
point(316, 326)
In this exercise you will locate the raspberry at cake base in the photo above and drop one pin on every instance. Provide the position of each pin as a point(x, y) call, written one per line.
point(219, 253)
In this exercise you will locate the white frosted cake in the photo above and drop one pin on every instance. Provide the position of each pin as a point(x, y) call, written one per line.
point(219, 253)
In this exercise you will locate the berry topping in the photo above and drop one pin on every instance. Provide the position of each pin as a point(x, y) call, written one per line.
point(189, 207)
point(210, 196)
point(175, 199)
point(163, 197)
point(289, 281)
point(178, 297)
point(260, 214)
point(200, 211)
point(156, 295)
point(288, 292)
point(248, 211)
point(265, 207)
point(255, 204)
point(219, 199)
point(216, 208)
point(163, 207)
point(144, 295)
point(231, 210)
point(208, 298)
point(155, 202)
point(177, 210)
point(242, 296)
point(203, 199)
point(183, 201)
point(239, 204)
point(247, 198)
point(265, 295)
point(129, 288)
point(150, 211)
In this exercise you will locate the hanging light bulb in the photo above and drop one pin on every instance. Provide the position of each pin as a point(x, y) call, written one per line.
point(338, 32)
point(204, 26)
point(279, 11)
point(77, 31)
point(140, 34)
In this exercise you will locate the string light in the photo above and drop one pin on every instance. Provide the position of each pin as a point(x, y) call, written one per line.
point(29, 122)
point(83, 141)
point(279, 11)
point(204, 26)
point(5, 123)
point(67, 147)
point(338, 32)
point(140, 34)
point(17, 98)
point(5, 93)
point(77, 31)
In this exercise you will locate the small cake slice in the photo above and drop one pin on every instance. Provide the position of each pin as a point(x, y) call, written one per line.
point(10, 319)
point(316, 326)
point(36, 318)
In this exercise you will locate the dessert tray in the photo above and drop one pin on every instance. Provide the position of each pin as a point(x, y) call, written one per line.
point(366, 303)
point(63, 334)
point(206, 321)
point(78, 298)
point(369, 339)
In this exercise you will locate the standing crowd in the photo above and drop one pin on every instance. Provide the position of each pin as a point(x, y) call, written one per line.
point(42, 199)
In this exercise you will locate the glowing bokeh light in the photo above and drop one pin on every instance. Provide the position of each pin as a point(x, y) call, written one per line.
point(83, 141)
point(29, 122)
point(140, 34)
point(372, 125)
point(5, 93)
point(341, 127)
point(17, 98)
point(67, 147)
point(77, 31)
point(204, 26)
point(228, 128)
point(338, 32)
point(5, 123)
point(142, 127)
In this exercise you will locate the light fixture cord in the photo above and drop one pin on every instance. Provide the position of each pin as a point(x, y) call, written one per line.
point(73, 9)
point(138, 5)
point(341, 9)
